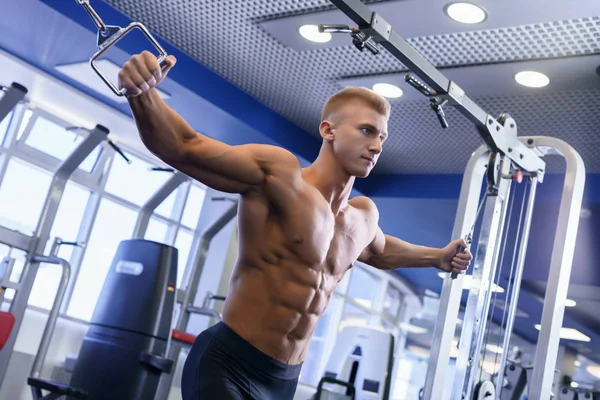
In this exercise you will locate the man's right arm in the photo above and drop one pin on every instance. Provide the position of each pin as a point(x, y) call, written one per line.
point(233, 169)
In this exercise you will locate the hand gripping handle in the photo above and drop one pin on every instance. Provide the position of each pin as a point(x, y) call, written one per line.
point(110, 37)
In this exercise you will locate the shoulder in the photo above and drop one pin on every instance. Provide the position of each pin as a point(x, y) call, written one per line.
point(366, 206)
point(273, 158)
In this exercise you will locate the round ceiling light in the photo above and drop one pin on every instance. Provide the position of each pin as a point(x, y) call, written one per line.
point(466, 13)
point(532, 79)
point(311, 32)
point(387, 90)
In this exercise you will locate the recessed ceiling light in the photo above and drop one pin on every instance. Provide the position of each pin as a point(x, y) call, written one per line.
point(311, 32)
point(570, 303)
point(387, 90)
point(465, 13)
point(574, 384)
point(532, 79)
point(570, 334)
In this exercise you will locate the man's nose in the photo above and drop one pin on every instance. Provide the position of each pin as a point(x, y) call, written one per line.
point(375, 146)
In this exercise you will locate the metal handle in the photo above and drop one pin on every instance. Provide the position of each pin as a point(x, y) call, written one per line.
point(118, 34)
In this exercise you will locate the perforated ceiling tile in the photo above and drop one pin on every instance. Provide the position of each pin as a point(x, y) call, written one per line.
point(224, 36)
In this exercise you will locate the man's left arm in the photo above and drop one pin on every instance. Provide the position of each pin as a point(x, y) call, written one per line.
point(388, 252)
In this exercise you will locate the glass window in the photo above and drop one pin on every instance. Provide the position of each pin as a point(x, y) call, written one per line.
point(166, 207)
point(56, 141)
point(15, 276)
point(4, 126)
point(22, 194)
point(24, 122)
point(183, 243)
point(157, 230)
point(113, 224)
point(66, 226)
point(363, 287)
point(392, 301)
point(193, 206)
point(353, 316)
point(134, 182)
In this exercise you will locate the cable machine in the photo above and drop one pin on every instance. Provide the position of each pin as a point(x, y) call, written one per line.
point(502, 161)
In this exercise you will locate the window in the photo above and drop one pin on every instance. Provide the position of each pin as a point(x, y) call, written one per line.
point(157, 230)
point(354, 316)
point(363, 286)
point(183, 243)
point(4, 126)
point(166, 207)
point(113, 224)
point(193, 206)
point(24, 122)
point(22, 194)
point(15, 276)
point(134, 182)
point(66, 226)
point(392, 301)
point(56, 141)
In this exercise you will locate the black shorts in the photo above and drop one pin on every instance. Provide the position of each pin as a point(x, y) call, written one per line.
point(221, 365)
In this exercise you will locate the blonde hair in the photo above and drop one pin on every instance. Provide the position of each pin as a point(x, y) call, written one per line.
point(374, 100)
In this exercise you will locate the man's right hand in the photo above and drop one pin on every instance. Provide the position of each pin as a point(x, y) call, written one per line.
point(142, 72)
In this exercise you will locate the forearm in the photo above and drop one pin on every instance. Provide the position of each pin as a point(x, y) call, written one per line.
point(400, 254)
point(162, 130)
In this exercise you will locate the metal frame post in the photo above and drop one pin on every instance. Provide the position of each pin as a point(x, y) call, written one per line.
point(478, 303)
point(445, 326)
point(12, 96)
point(514, 296)
point(560, 265)
point(42, 233)
point(186, 297)
point(141, 224)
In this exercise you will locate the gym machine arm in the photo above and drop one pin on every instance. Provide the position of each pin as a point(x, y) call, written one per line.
point(499, 136)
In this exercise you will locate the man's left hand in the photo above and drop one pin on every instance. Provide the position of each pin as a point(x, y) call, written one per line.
point(453, 257)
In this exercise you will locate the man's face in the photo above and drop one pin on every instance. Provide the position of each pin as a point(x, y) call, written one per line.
point(358, 134)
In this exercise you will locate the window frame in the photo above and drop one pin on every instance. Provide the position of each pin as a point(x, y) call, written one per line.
point(94, 181)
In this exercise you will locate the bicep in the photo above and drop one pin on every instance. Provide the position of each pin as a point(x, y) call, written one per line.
point(375, 248)
point(233, 169)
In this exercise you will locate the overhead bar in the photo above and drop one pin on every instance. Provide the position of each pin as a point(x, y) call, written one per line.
point(499, 135)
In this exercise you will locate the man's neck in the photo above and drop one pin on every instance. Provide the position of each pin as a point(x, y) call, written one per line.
point(331, 180)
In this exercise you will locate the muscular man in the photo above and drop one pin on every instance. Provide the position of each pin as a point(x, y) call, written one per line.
point(299, 233)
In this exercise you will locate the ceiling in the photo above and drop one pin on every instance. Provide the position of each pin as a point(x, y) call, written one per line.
point(234, 39)
point(243, 76)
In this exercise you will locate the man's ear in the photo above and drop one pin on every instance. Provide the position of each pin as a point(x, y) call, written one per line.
point(326, 130)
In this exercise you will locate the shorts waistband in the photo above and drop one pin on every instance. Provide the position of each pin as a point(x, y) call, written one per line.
point(253, 356)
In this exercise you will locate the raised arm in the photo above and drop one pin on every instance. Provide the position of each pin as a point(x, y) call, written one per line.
point(233, 169)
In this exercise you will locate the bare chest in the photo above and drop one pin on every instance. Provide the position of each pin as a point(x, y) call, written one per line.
point(327, 242)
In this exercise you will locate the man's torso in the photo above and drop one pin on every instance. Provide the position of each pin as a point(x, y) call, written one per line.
point(293, 252)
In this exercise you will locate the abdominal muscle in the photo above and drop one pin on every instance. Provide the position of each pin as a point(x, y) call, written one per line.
point(276, 307)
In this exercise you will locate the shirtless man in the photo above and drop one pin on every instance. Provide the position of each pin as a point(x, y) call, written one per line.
point(299, 233)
